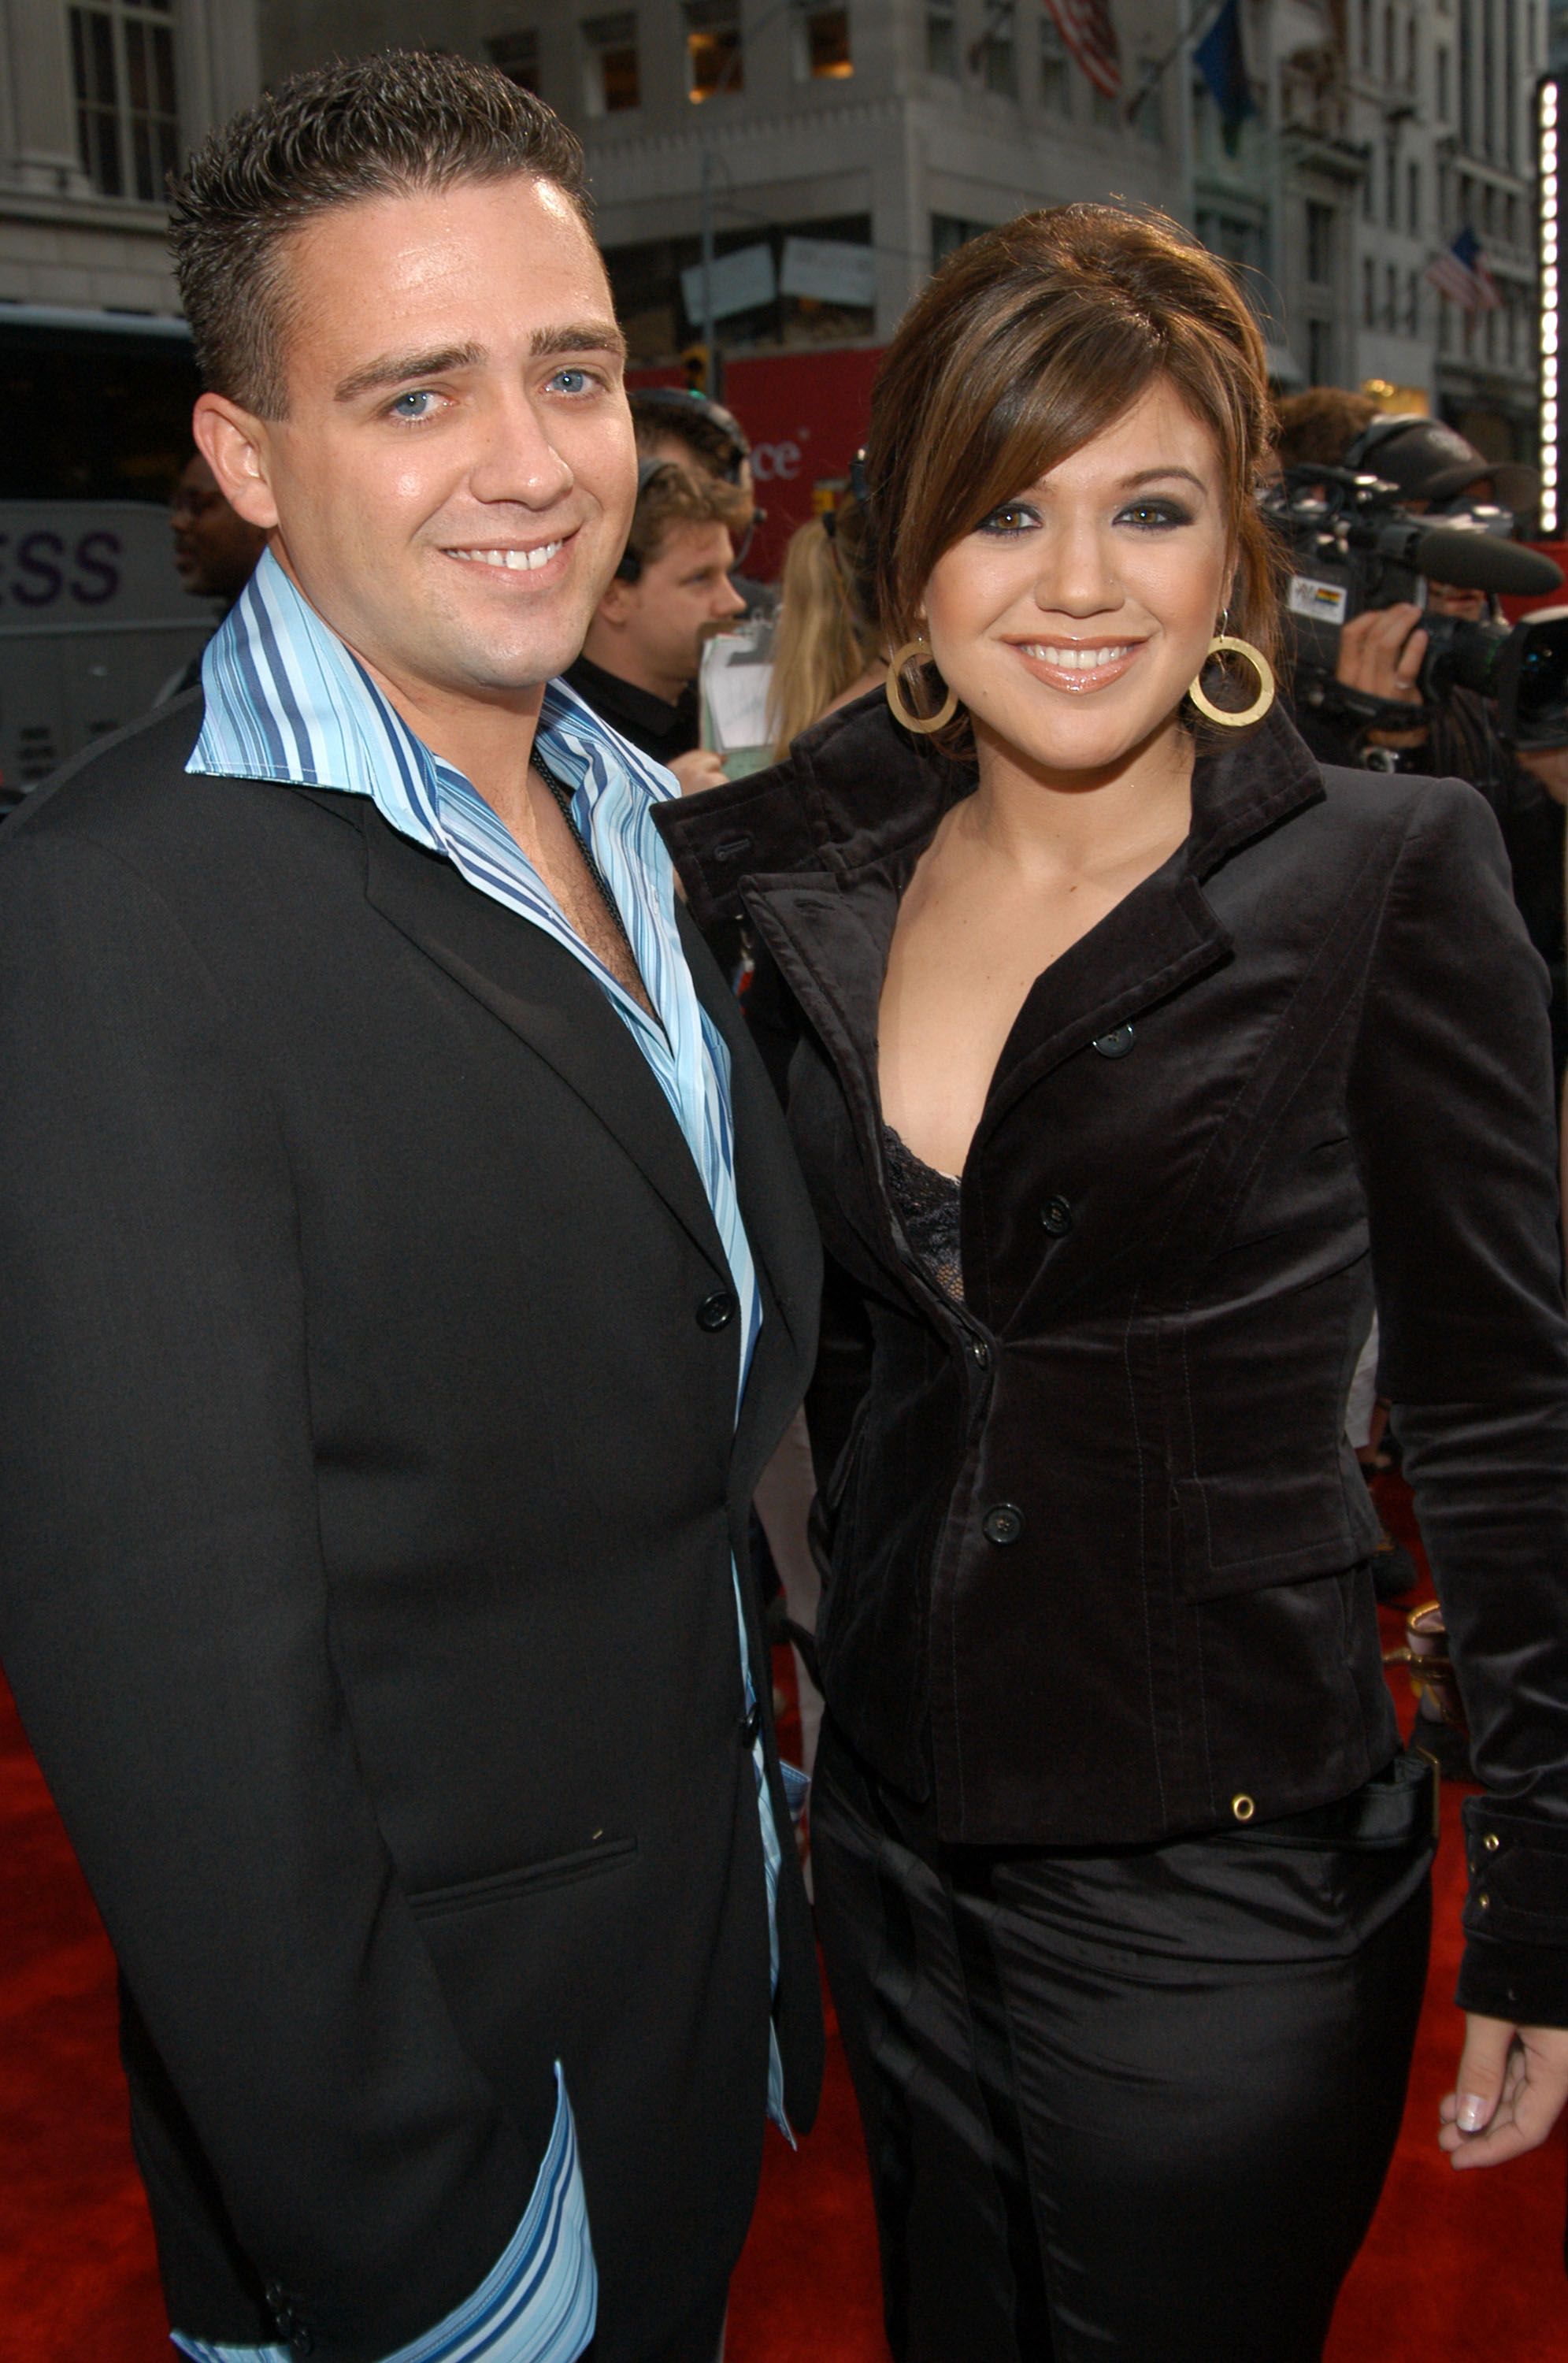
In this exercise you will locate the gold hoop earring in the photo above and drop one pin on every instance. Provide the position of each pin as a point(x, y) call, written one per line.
point(1226, 644)
point(894, 687)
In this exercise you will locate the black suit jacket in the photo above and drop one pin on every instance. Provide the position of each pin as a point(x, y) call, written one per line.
point(1098, 1547)
point(368, 1491)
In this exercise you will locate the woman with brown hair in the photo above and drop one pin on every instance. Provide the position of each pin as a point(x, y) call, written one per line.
point(1137, 1055)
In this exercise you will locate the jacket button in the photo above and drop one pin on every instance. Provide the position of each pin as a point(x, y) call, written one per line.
point(751, 1723)
point(979, 1353)
point(716, 1312)
point(1114, 1045)
point(303, 2342)
point(1003, 1523)
point(1058, 1217)
point(1491, 1841)
point(1242, 1807)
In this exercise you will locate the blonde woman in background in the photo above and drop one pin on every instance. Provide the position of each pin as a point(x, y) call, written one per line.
point(828, 650)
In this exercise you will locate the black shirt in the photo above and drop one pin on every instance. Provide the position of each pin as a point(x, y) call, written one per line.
point(660, 729)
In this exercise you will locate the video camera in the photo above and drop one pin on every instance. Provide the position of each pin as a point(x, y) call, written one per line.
point(1353, 546)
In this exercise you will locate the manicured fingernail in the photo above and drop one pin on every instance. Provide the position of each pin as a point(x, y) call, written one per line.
point(1472, 2113)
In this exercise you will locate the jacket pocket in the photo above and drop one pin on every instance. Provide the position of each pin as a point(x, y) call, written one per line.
point(503, 1886)
point(1248, 1531)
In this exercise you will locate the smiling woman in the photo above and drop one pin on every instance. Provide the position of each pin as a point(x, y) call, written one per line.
point(1136, 1056)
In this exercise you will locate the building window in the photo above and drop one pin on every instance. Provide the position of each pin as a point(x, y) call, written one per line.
point(1413, 199)
point(1366, 36)
point(1442, 94)
point(1055, 72)
point(1388, 45)
point(1390, 188)
point(1319, 245)
point(941, 41)
point(1368, 296)
point(1320, 352)
point(1106, 112)
point(127, 115)
point(948, 233)
point(1412, 53)
point(714, 58)
point(518, 56)
point(1412, 302)
point(999, 50)
point(609, 76)
point(1391, 308)
point(821, 43)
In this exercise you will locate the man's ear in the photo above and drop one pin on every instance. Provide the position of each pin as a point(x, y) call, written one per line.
point(621, 601)
point(237, 449)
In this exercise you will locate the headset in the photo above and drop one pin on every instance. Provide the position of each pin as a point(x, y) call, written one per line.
point(684, 408)
point(631, 567)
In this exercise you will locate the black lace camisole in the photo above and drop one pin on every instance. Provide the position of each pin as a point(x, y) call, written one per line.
point(926, 1204)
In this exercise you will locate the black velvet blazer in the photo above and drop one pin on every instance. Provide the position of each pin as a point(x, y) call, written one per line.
point(370, 1478)
point(1098, 1548)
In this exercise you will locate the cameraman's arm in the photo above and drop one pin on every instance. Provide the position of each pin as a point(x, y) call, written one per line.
point(1381, 653)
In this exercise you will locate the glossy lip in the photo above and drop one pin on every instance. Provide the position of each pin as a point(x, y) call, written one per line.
point(1076, 683)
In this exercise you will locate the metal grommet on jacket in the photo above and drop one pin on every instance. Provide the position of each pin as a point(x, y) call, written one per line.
point(1243, 1806)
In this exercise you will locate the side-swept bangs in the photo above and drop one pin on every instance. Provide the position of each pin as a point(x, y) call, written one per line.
point(1030, 341)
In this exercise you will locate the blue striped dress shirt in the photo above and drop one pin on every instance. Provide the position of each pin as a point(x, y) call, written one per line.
point(287, 701)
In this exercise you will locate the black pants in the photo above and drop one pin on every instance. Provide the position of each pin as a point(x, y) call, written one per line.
point(1135, 2105)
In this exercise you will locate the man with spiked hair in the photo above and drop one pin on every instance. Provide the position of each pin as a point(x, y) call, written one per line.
point(403, 1284)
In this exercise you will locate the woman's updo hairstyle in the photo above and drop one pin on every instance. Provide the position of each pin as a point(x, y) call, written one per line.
point(1030, 341)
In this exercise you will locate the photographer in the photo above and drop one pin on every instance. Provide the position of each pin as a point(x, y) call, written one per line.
point(1380, 653)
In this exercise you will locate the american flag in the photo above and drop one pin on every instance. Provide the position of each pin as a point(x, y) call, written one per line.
point(1089, 37)
point(1463, 273)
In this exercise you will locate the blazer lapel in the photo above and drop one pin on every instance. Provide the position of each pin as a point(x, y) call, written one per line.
point(545, 996)
point(779, 1224)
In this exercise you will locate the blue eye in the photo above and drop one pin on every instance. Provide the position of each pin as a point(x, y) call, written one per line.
point(401, 407)
point(1012, 517)
point(581, 381)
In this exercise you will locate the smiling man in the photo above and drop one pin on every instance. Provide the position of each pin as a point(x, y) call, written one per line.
point(402, 1284)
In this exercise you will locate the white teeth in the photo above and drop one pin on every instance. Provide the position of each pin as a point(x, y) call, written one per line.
point(520, 562)
point(1073, 660)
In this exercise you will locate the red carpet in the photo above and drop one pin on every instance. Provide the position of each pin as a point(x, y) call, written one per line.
point(1458, 2268)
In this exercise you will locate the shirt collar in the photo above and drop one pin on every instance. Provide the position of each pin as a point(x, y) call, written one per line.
point(287, 700)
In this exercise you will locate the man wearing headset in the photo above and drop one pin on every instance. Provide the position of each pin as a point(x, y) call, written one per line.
point(638, 667)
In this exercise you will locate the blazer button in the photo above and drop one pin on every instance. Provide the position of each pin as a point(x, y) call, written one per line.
point(751, 1723)
point(716, 1312)
point(1003, 1523)
point(1114, 1045)
point(1058, 1217)
point(979, 1353)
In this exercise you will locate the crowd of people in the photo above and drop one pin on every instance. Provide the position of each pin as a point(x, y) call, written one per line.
point(454, 1122)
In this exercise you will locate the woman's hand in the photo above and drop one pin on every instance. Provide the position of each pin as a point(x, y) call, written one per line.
point(1513, 2081)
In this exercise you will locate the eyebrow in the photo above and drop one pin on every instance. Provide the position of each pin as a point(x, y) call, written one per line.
point(401, 369)
point(397, 368)
point(579, 337)
point(1154, 475)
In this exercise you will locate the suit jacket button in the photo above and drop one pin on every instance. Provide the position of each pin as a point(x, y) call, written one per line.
point(1058, 1217)
point(716, 1312)
point(979, 1353)
point(303, 2341)
point(751, 1723)
point(1003, 1523)
point(1114, 1045)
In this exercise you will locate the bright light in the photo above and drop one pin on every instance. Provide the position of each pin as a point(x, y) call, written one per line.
point(1549, 412)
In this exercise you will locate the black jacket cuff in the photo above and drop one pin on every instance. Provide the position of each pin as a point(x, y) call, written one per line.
point(1515, 1917)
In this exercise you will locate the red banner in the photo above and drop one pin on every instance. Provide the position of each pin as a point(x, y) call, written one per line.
point(806, 413)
